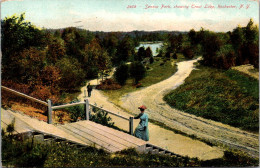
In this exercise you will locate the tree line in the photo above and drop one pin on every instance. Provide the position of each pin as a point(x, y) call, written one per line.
point(225, 50)
point(47, 63)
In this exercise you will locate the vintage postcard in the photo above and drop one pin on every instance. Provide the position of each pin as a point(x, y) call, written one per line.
point(129, 83)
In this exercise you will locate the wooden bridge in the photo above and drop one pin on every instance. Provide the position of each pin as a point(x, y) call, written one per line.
point(82, 133)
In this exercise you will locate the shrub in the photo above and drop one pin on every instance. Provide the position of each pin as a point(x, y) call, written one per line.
point(100, 116)
point(137, 71)
point(76, 112)
point(108, 84)
point(151, 60)
point(121, 74)
point(188, 52)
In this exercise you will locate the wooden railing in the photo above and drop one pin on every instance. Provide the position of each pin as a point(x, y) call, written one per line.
point(86, 108)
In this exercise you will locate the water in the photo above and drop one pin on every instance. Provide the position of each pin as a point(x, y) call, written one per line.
point(153, 47)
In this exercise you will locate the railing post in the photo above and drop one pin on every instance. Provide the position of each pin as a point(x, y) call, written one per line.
point(49, 112)
point(85, 93)
point(87, 109)
point(131, 125)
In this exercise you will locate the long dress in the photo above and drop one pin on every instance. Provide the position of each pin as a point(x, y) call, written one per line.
point(139, 131)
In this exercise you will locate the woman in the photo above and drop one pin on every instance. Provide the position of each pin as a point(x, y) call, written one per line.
point(141, 130)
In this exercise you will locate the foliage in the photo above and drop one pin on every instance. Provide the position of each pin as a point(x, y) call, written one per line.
point(100, 116)
point(140, 54)
point(108, 84)
point(225, 96)
point(121, 74)
point(22, 154)
point(125, 50)
point(137, 71)
point(72, 74)
point(10, 127)
point(26, 154)
point(224, 50)
point(76, 112)
point(188, 52)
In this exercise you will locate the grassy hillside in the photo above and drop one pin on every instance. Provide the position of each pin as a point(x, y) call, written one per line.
point(158, 71)
point(226, 96)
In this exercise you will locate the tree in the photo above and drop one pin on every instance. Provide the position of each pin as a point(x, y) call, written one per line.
point(56, 50)
point(148, 52)
point(72, 74)
point(104, 63)
point(192, 37)
point(140, 54)
point(96, 57)
point(137, 71)
point(121, 74)
point(27, 65)
point(18, 35)
point(188, 52)
point(125, 49)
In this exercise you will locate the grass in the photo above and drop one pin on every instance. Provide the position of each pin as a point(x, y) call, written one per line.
point(19, 153)
point(155, 74)
point(226, 96)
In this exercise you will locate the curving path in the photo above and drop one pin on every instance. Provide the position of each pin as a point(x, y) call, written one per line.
point(163, 138)
point(216, 132)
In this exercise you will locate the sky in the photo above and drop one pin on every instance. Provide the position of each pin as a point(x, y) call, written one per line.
point(114, 15)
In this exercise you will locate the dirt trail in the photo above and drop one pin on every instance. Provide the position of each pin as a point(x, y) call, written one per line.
point(158, 136)
point(152, 97)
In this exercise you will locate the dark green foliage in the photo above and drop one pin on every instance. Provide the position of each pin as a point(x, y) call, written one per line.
point(140, 54)
point(76, 112)
point(137, 71)
point(225, 96)
point(188, 52)
point(231, 159)
point(224, 50)
point(10, 127)
point(100, 116)
point(148, 52)
point(125, 50)
point(20, 153)
point(121, 74)
point(72, 74)
point(151, 60)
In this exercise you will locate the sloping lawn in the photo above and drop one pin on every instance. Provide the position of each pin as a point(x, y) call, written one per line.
point(226, 96)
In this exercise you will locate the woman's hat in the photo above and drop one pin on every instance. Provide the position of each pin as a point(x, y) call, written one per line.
point(142, 107)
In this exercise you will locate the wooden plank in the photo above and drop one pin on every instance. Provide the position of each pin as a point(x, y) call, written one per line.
point(86, 136)
point(99, 135)
point(121, 134)
point(24, 95)
point(41, 126)
point(67, 105)
point(117, 139)
point(111, 112)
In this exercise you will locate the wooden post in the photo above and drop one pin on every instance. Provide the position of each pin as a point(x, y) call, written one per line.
point(131, 125)
point(87, 109)
point(85, 93)
point(49, 112)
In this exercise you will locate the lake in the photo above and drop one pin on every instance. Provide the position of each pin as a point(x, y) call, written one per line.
point(153, 46)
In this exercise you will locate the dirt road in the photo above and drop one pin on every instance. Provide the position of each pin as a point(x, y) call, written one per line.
point(158, 136)
point(152, 97)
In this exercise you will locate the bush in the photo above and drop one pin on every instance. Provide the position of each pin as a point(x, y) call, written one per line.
point(121, 74)
point(108, 84)
point(151, 60)
point(188, 52)
point(137, 71)
point(100, 116)
point(76, 112)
